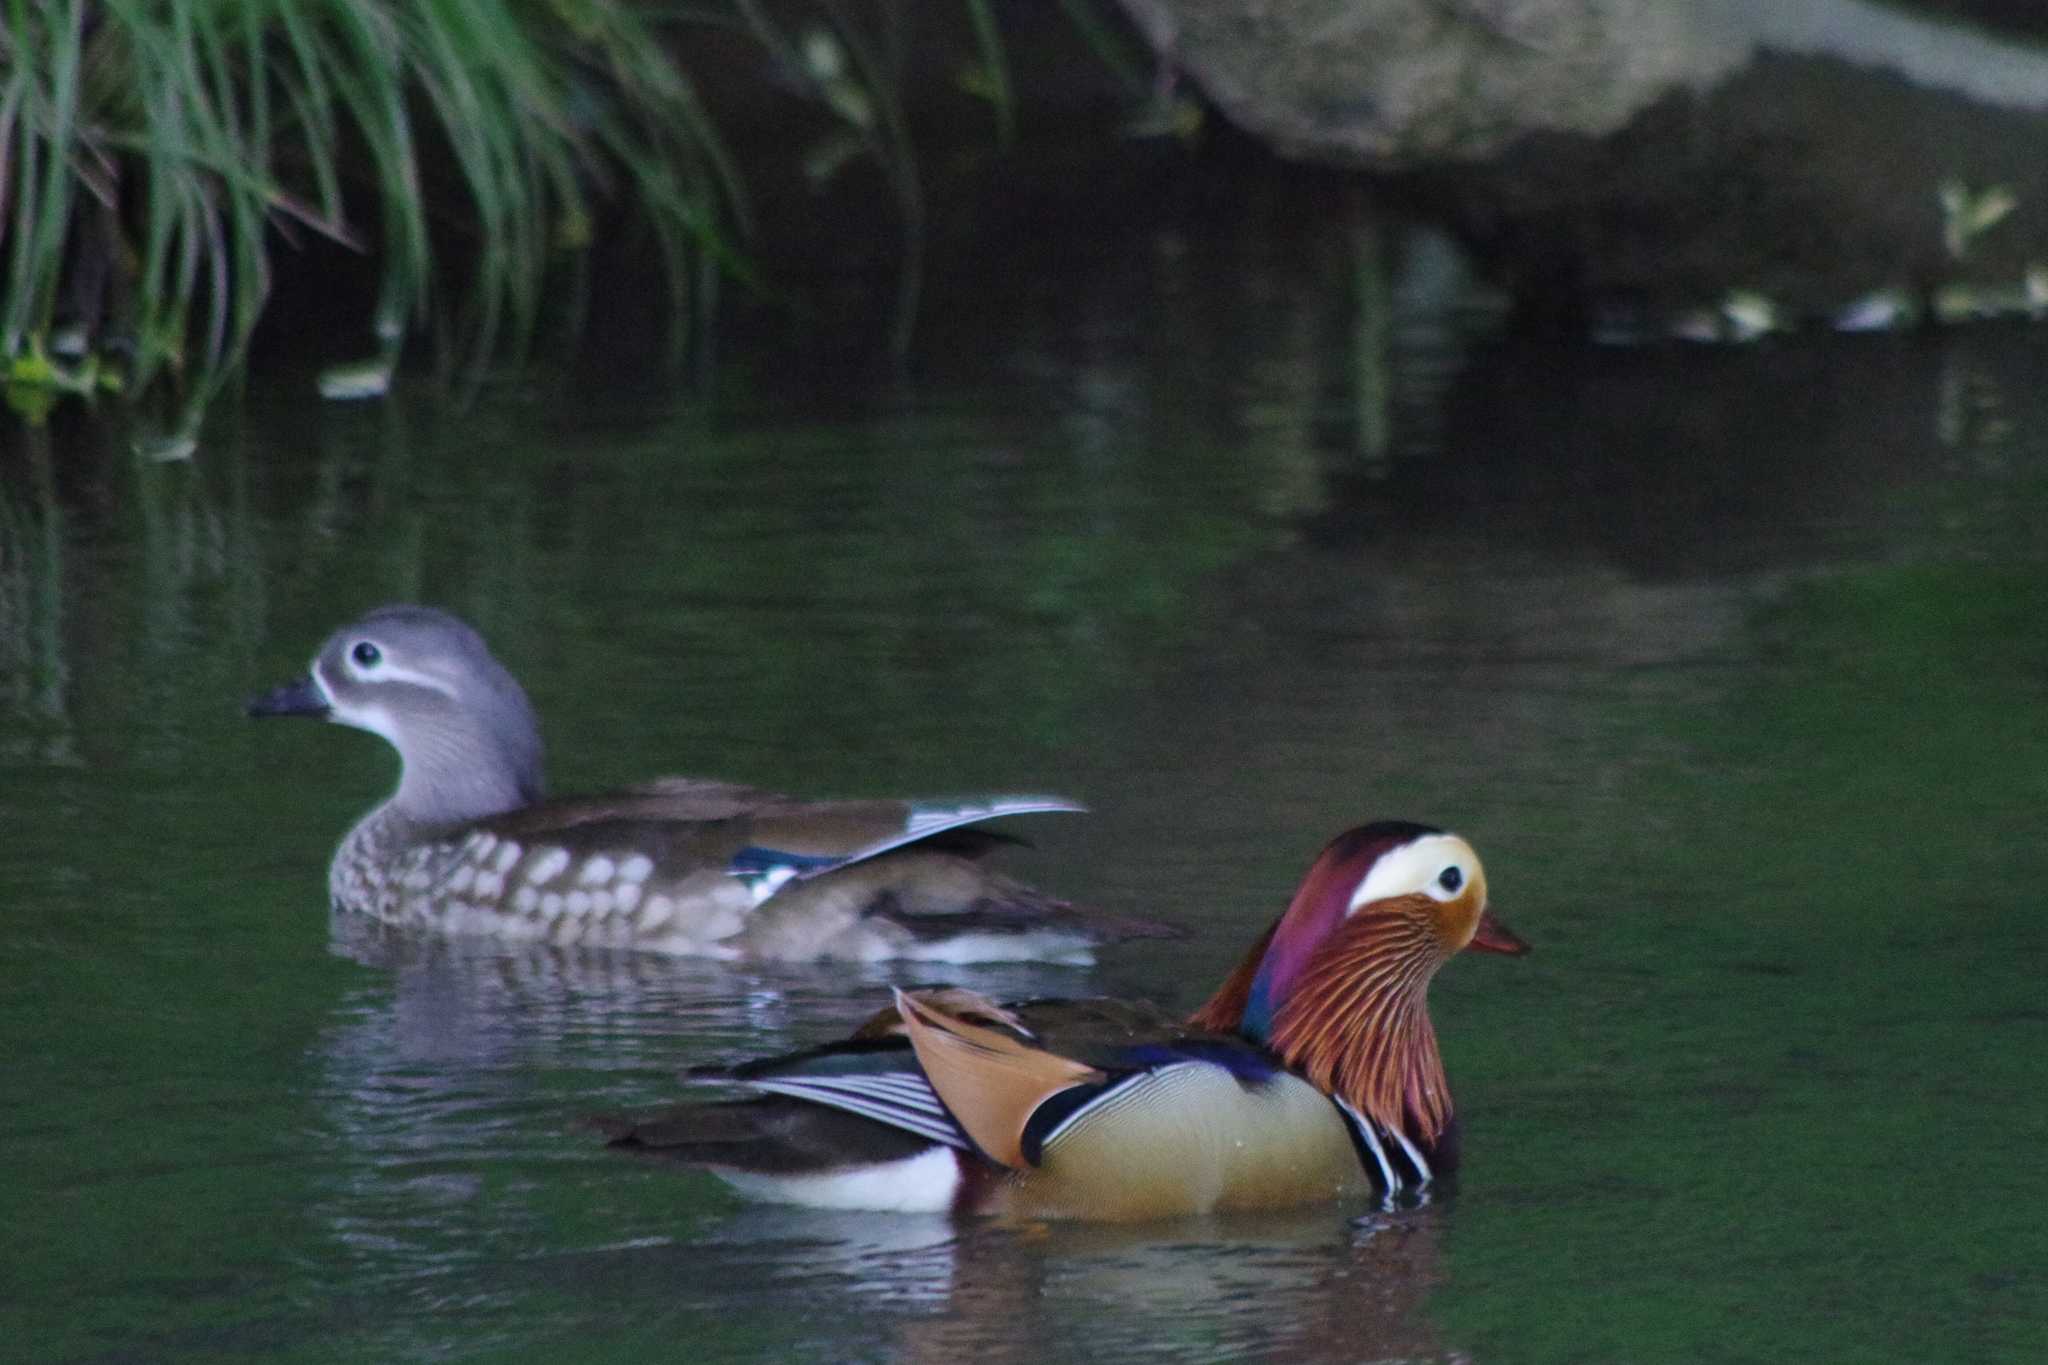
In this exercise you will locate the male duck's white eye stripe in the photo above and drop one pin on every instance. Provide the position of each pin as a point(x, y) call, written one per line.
point(1417, 866)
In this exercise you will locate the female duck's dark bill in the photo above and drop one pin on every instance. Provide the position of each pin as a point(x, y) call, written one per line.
point(299, 697)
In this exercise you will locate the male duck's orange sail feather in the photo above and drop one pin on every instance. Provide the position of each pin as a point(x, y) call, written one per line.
point(989, 1081)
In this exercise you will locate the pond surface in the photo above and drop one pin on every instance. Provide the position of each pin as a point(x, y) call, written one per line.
point(1731, 663)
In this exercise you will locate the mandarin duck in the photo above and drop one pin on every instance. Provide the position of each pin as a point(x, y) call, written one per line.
point(1311, 1074)
point(467, 845)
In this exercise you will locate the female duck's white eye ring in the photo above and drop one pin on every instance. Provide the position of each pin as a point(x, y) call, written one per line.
point(366, 655)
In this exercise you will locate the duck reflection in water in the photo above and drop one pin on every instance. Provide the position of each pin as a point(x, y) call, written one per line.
point(1298, 1284)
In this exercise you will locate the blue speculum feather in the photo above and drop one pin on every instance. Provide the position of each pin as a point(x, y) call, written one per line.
point(756, 861)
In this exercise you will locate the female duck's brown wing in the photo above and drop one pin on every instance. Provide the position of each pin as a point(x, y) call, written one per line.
point(748, 832)
point(740, 872)
point(679, 799)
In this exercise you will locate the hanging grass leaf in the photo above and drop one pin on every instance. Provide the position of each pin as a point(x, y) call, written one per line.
point(991, 78)
point(153, 154)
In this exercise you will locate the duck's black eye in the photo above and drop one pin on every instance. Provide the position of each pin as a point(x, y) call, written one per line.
point(366, 654)
point(1451, 879)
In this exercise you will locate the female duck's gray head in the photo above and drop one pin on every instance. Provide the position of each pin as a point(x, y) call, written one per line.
point(465, 733)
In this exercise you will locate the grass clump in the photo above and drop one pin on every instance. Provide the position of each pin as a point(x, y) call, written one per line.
point(153, 153)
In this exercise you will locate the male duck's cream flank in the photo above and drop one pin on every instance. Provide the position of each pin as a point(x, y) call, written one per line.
point(1312, 1074)
point(467, 845)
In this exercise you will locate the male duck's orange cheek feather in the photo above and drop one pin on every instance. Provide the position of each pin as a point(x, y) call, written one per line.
point(1357, 1026)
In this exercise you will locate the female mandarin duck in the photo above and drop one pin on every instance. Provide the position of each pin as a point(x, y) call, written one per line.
point(1311, 1074)
point(680, 865)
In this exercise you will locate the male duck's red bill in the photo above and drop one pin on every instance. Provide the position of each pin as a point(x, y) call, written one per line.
point(1311, 1074)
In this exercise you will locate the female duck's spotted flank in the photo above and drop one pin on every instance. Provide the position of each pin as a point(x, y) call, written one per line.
point(467, 845)
point(1311, 1074)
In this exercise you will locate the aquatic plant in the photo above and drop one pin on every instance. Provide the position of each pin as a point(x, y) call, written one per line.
point(152, 154)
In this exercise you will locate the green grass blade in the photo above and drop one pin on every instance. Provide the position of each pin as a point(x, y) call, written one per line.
point(995, 68)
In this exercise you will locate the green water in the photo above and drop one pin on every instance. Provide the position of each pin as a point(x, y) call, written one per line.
point(1732, 665)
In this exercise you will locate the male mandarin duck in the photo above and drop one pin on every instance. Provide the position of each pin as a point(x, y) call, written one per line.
point(1311, 1074)
point(467, 845)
